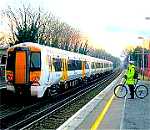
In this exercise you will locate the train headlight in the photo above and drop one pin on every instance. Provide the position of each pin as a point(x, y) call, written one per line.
point(35, 81)
point(9, 77)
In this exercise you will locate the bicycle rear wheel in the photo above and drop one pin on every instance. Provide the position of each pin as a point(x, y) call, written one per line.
point(120, 91)
point(141, 91)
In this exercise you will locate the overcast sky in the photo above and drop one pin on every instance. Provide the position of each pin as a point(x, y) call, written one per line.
point(110, 24)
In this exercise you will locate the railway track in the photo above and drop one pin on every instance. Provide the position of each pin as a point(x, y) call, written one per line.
point(35, 112)
point(60, 115)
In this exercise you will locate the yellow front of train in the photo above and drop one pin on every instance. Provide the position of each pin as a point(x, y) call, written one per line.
point(23, 68)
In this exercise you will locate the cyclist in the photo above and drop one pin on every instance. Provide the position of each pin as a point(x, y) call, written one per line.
point(130, 80)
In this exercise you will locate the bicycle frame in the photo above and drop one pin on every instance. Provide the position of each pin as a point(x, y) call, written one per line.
point(135, 84)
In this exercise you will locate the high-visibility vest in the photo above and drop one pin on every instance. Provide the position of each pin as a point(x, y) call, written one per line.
point(130, 75)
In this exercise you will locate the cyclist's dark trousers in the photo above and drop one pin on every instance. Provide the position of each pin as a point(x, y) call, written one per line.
point(131, 87)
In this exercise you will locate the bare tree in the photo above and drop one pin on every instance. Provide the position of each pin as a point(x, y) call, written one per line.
point(24, 23)
point(29, 25)
point(6, 39)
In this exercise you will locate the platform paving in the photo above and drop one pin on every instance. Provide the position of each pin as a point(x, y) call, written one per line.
point(137, 112)
point(123, 114)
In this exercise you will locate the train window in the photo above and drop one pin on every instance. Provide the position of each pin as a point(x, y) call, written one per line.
point(92, 65)
point(79, 64)
point(86, 66)
point(3, 60)
point(106, 65)
point(10, 61)
point(97, 65)
point(57, 64)
point(76, 65)
point(72, 65)
point(69, 65)
point(35, 62)
point(101, 65)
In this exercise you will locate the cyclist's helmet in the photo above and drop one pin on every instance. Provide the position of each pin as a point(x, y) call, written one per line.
point(131, 62)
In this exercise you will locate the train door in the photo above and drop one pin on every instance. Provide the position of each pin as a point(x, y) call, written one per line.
point(21, 68)
point(17, 68)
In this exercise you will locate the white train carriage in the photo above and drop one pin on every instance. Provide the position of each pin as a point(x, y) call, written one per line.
point(35, 69)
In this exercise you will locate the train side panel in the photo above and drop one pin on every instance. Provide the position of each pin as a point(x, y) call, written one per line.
point(47, 67)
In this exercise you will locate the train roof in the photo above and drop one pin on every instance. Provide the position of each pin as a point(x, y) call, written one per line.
point(59, 51)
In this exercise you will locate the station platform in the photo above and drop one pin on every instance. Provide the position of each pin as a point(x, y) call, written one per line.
point(106, 112)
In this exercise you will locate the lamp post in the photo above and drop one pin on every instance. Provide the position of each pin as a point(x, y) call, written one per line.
point(143, 62)
point(142, 55)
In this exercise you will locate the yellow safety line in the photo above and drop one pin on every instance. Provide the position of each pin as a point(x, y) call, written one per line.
point(101, 115)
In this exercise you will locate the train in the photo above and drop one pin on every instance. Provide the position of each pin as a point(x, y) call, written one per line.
point(37, 70)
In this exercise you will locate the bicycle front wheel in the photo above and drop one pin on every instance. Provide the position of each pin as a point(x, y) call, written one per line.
point(141, 91)
point(120, 91)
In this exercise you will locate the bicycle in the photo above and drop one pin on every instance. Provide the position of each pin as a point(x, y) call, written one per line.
point(121, 90)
